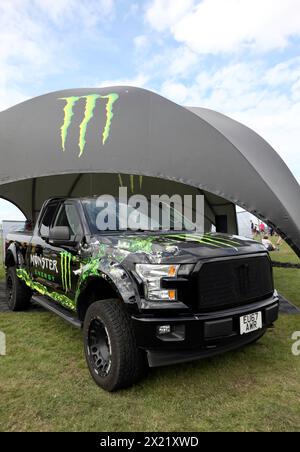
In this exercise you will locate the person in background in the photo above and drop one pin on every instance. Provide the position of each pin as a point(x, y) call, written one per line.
point(252, 228)
point(262, 228)
point(267, 243)
point(278, 243)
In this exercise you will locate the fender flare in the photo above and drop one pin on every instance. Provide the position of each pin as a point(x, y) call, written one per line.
point(113, 273)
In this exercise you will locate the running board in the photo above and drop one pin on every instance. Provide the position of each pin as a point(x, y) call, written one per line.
point(58, 310)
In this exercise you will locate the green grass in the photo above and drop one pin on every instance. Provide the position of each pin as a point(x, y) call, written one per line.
point(286, 254)
point(45, 384)
point(2, 272)
point(287, 281)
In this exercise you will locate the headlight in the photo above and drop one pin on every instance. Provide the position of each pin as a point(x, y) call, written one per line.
point(152, 275)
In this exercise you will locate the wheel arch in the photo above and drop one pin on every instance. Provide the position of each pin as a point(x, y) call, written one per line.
point(110, 280)
point(95, 288)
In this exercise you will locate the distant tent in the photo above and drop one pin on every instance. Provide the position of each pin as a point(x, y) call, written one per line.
point(244, 223)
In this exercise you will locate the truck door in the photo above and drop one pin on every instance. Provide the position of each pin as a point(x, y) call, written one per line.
point(43, 269)
point(67, 256)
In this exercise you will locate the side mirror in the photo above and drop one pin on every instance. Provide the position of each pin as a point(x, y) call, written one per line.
point(60, 235)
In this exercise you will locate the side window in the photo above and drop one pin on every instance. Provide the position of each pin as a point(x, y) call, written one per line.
point(47, 220)
point(68, 216)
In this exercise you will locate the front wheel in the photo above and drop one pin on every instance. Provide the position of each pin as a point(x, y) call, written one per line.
point(110, 348)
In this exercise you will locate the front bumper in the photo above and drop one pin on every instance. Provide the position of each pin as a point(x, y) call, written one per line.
point(199, 336)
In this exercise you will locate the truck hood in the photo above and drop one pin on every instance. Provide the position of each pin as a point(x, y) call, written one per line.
point(176, 247)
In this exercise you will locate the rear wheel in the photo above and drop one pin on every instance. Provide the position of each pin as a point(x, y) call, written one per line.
point(17, 293)
point(111, 352)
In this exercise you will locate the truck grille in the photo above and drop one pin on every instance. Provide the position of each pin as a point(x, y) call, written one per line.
point(234, 282)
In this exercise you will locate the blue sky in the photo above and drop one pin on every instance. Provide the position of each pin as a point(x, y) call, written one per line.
point(241, 57)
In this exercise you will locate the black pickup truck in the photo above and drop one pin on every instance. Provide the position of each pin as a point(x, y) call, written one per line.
point(144, 298)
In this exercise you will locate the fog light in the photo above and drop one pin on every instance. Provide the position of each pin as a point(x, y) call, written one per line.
point(164, 329)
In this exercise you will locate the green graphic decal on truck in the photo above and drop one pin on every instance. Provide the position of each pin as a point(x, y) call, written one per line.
point(43, 290)
point(206, 239)
point(90, 104)
point(66, 271)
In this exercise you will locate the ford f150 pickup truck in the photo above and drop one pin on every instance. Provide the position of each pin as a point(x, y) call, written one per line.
point(143, 298)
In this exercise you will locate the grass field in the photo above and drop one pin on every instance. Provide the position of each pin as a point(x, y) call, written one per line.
point(1, 261)
point(287, 281)
point(45, 384)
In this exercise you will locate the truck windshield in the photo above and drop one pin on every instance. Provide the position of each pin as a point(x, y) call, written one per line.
point(113, 215)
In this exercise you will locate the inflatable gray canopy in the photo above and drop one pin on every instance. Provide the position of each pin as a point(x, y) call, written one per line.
point(133, 131)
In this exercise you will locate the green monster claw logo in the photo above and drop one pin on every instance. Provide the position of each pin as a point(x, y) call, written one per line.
point(132, 182)
point(90, 104)
point(66, 272)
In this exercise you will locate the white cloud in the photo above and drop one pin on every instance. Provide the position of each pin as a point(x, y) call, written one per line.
point(167, 62)
point(30, 49)
point(181, 61)
point(284, 73)
point(221, 33)
point(139, 81)
point(296, 90)
point(10, 97)
point(218, 26)
point(9, 211)
point(162, 14)
point(85, 12)
point(178, 92)
point(278, 122)
point(132, 11)
point(141, 42)
point(242, 92)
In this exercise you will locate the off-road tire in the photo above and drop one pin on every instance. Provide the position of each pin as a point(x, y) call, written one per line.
point(127, 363)
point(18, 295)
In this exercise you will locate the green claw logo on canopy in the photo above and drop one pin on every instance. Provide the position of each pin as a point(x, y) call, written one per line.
point(90, 104)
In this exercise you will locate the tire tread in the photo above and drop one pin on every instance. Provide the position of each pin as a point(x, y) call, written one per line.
point(129, 358)
point(22, 294)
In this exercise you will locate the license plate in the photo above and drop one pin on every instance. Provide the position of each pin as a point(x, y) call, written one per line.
point(251, 322)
